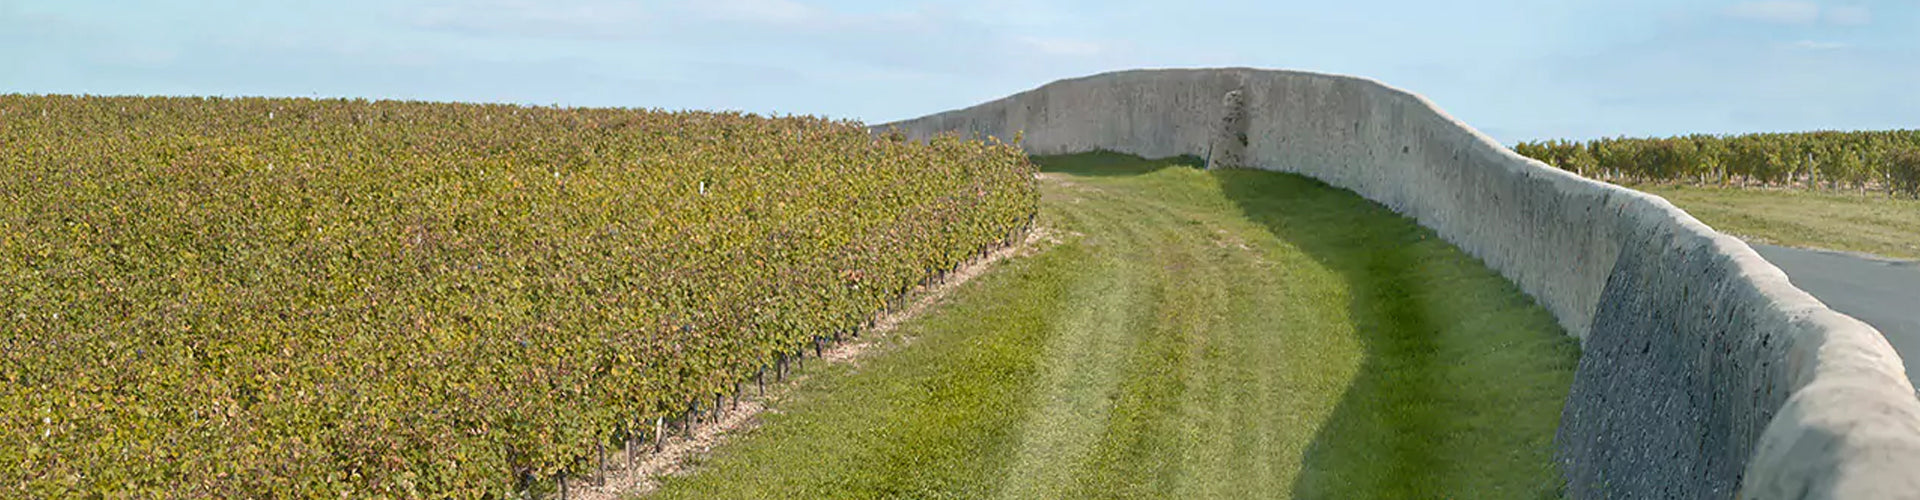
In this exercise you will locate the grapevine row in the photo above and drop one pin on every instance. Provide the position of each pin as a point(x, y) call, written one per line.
point(288, 297)
point(1871, 160)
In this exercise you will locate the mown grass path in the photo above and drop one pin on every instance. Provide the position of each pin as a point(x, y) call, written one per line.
point(1188, 334)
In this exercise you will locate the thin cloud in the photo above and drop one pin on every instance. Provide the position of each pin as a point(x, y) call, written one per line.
point(1819, 45)
point(1798, 12)
point(923, 40)
point(1849, 16)
point(580, 19)
point(1723, 81)
point(1777, 11)
point(1061, 46)
point(783, 12)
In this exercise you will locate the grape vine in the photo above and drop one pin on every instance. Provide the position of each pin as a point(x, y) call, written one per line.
point(261, 297)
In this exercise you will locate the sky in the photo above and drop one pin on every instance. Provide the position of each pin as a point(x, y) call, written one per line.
point(1515, 69)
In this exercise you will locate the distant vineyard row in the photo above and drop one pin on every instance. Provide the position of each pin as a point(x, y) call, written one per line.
point(1880, 160)
point(326, 298)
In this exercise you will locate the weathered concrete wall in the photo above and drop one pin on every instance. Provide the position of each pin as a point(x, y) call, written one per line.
point(1704, 372)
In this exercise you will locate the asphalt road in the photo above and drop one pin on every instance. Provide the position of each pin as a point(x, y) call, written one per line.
point(1884, 293)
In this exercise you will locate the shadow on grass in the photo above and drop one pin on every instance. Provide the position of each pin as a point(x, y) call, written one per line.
point(1429, 414)
point(1383, 433)
point(1111, 164)
point(1464, 377)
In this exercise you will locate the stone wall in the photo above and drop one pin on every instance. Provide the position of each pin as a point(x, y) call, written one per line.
point(1704, 373)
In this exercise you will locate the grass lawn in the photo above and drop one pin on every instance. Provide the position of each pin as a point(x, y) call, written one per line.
point(1193, 334)
point(1874, 223)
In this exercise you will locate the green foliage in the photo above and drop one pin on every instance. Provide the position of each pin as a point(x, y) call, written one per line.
point(1855, 160)
point(289, 297)
point(1904, 172)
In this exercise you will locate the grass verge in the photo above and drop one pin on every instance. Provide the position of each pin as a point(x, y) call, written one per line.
point(1194, 335)
point(1874, 223)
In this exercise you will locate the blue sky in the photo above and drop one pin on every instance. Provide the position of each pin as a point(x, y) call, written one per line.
point(1517, 69)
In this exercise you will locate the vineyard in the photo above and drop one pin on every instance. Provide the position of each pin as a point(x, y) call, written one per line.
point(286, 297)
point(1876, 160)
